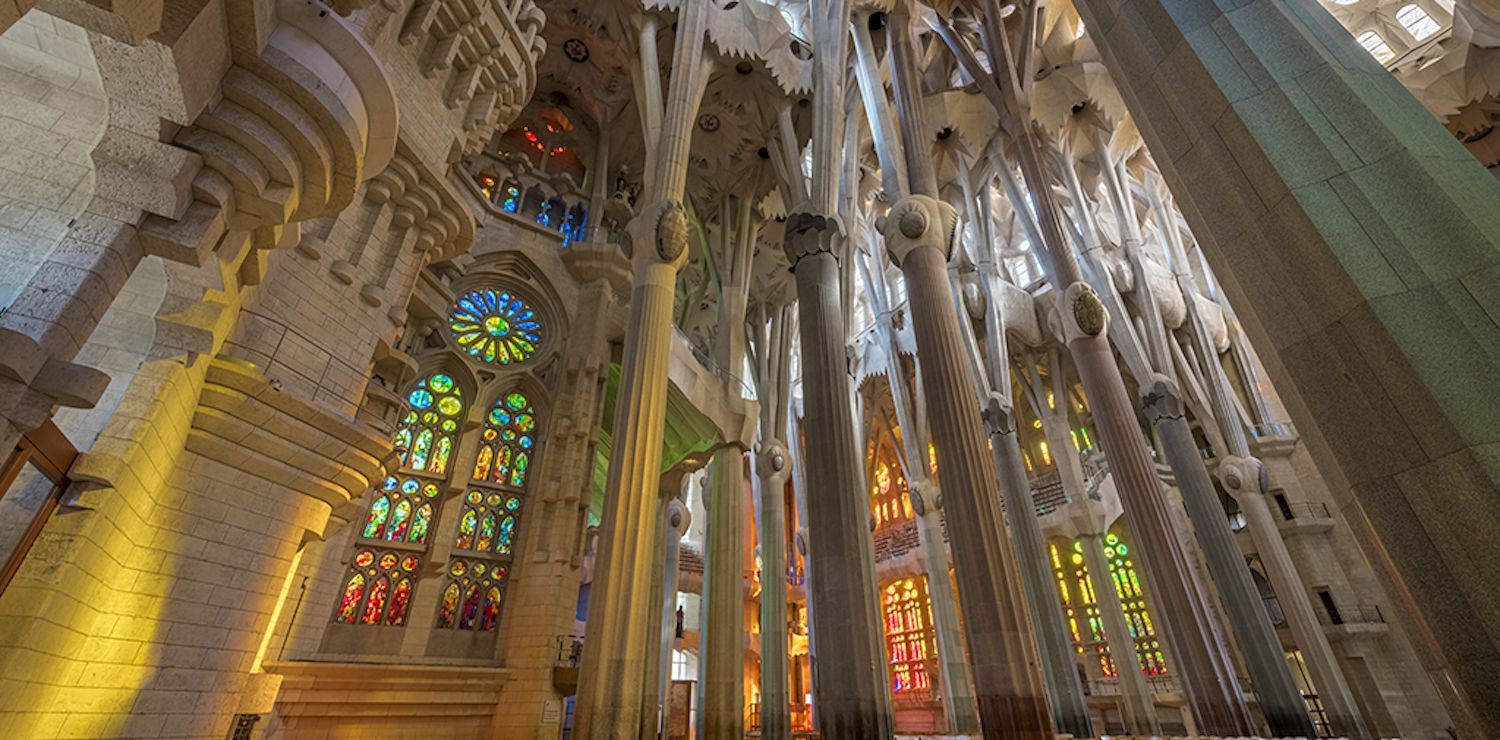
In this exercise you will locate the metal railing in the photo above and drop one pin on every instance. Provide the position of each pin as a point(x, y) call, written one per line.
point(569, 651)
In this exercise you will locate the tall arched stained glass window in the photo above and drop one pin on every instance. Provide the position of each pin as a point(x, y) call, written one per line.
point(910, 643)
point(377, 588)
point(1073, 576)
point(487, 529)
point(427, 434)
point(495, 326)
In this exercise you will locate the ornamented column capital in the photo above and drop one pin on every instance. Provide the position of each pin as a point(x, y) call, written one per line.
point(809, 234)
point(923, 493)
point(1243, 475)
point(659, 233)
point(1162, 399)
point(998, 414)
point(771, 459)
point(1082, 313)
point(919, 221)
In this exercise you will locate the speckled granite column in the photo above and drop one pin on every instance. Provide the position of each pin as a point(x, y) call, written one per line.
point(1357, 241)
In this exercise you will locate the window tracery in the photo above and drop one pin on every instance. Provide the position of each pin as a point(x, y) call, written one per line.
point(473, 597)
point(907, 610)
point(495, 326)
point(428, 432)
point(377, 588)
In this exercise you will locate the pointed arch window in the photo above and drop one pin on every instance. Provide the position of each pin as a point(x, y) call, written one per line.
point(1081, 607)
point(402, 511)
point(490, 523)
point(910, 643)
point(1377, 46)
point(377, 588)
point(1416, 21)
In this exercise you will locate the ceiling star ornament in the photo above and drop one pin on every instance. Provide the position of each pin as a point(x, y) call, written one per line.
point(493, 326)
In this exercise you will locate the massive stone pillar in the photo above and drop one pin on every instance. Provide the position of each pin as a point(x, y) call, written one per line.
point(722, 715)
point(676, 520)
point(849, 673)
point(1357, 241)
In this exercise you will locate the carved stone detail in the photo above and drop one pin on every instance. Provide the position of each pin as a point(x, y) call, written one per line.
point(808, 234)
point(920, 221)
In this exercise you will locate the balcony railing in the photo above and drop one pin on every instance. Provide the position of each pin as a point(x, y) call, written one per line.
point(1311, 510)
point(569, 651)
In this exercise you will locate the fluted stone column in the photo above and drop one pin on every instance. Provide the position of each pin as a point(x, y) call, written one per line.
point(1245, 479)
point(1002, 654)
point(1065, 690)
point(850, 689)
point(1357, 242)
point(676, 521)
point(1280, 700)
point(722, 715)
point(775, 704)
point(612, 679)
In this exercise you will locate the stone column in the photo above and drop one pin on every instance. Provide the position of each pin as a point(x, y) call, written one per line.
point(611, 686)
point(1245, 479)
point(1137, 703)
point(1069, 705)
point(722, 715)
point(1280, 700)
point(849, 673)
point(1009, 691)
point(677, 519)
point(775, 703)
point(1369, 302)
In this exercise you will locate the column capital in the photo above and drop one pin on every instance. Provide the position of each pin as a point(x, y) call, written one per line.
point(809, 234)
point(998, 414)
point(1243, 475)
point(918, 221)
point(771, 458)
point(1082, 313)
point(923, 493)
point(659, 233)
point(1162, 398)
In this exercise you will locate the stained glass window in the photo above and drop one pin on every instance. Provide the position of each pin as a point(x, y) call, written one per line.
point(488, 524)
point(414, 500)
point(909, 639)
point(888, 500)
point(377, 588)
point(427, 433)
point(508, 442)
point(1081, 605)
point(495, 326)
point(473, 596)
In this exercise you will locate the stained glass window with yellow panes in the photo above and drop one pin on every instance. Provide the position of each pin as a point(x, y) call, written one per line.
point(910, 643)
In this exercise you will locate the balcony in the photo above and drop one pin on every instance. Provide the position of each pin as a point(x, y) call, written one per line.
point(565, 664)
point(1344, 621)
point(1303, 517)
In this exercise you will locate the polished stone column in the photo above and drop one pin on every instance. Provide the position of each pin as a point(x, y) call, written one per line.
point(849, 672)
point(722, 715)
point(1357, 242)
point(1244, 478)
point(1280, 700)
point(1002, 654)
